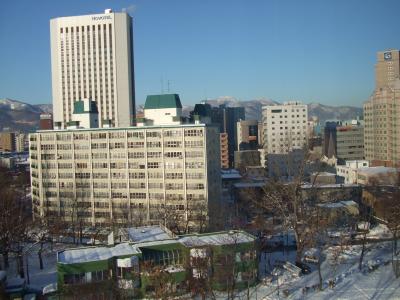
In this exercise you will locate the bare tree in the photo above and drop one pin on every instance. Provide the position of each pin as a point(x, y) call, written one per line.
point(199, 277)
point(13, 219)
point(160, 280)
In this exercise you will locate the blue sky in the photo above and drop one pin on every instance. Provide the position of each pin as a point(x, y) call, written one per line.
point(309, 50)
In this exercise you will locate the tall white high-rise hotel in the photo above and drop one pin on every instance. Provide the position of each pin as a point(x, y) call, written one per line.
point(92, 57)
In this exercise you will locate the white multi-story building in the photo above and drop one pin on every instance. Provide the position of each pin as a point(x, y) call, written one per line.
point(285, 127)
point(131, 175)
point(349, 170)
point(92, 57)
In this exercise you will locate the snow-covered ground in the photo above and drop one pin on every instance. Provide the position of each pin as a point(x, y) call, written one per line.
point(376, 280)
point(39, 278)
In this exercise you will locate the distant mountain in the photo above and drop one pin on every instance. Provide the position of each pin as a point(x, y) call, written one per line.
point(47, 108)
point(19, 116)
point(253, 109)
point(325, 112)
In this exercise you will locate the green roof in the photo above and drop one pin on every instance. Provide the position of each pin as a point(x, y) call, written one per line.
point(163, 101)
point(79, 107)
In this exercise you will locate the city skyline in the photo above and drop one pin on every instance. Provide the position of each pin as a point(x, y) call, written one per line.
point(326, 52)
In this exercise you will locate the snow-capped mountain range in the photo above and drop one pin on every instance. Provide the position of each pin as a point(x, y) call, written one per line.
point(17, 115)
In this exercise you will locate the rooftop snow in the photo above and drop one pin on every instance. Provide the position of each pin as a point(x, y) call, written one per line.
point(216, 239)
point(156, 243)
point(249, 184)
point(376, 170)
point(230, 174)
point(81, 255)
point(331, 185)
point(147, 234)
point(338, 204)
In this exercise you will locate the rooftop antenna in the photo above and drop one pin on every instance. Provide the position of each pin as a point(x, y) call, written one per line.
point(162, 85)
point(168, 81)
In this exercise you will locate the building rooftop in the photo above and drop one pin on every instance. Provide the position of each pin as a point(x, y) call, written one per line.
point(323, 174)
point(376, 170)
point(145, 234)
point(230, 174)
point(328, 186)
point(338, 204)
point(163, 101)
point(82, 255)
point(123, 128)
point(216, 239)
point(249, 184)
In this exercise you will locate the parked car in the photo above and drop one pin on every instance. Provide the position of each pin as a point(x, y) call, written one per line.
point(305, 269)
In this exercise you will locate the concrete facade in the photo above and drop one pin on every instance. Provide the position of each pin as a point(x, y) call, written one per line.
point(92, 57)
point(349, 171)
point(387, 68)
point(247, 135)
point(350, 141)
point(7, 141)
point(285, 127)
point(382, 126)
point(127, 174)
point(223, 138)
point(382, 112)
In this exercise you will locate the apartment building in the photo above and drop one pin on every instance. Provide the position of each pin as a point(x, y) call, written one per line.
point(92, 57)
point(285, 127)
point(115, 174)
point(122, 175)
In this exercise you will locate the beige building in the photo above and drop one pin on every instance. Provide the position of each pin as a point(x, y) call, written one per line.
point(132, 175)
point(223, 138)
point(119, 175)
point(92, 57)
point(247, 135)
point(382, 113)
point(7, 141)
point(387, 69)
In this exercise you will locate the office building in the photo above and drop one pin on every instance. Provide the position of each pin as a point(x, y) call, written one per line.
point(147, 174)
point(382, 113)
point(46, 121)
point(285, 166)
point(348, 172)
point(247, 135)
point(21, 142)
point(92, 58)
point(245, 158)
point(224, 117)
point(285, 127)
point(230, 116)
point(387, 68)
point(7, 142)
point(344, 140)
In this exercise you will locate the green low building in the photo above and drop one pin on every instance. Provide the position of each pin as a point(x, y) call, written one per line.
point(151, 261)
